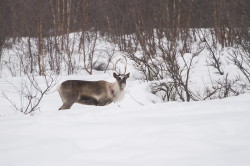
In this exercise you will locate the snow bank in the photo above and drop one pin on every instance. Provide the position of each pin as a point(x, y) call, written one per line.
point(139, 130)
point(132, 133)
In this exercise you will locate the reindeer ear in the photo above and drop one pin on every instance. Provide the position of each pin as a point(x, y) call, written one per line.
point(127, 75)
point(114, 75)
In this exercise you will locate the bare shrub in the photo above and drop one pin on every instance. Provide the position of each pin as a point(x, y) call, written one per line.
point(87, 47)
point(165, 61)
point(69, 48)
point(54, 54)
point(225, 87)
point(30, 93)
point(241, 58)
point(166, 90)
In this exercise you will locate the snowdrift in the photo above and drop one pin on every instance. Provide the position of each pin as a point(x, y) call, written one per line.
point(140, 130)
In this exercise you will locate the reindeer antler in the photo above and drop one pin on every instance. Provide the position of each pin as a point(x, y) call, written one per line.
point(118, 72)
point(125, 67)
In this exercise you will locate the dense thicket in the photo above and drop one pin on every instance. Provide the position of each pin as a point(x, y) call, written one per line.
point(118, 17)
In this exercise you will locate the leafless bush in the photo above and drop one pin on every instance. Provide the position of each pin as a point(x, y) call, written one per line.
point(27, 53)
point(165, 61)
point(214, 59)
point(225, 87)
point(68, 48)
point(2, 40)
point(209, 39)
point(87, 46)
point(166, 90)
point(241, 58)
point(30, 93)
point(25, 57)
point(54, 54)
point(229, 87)
point(107, 53)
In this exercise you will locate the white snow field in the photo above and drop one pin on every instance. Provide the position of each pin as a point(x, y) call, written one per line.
point(204, 133)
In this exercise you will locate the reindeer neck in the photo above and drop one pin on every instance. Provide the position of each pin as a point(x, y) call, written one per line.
point(116, 91)
point(115, 88)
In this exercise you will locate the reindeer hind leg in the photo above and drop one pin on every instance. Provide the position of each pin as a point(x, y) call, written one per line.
point(66, 106)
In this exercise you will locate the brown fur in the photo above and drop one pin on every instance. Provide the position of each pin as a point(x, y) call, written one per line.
point(97, 93)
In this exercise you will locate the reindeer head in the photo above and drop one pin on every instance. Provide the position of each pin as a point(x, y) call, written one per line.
point(121, 78)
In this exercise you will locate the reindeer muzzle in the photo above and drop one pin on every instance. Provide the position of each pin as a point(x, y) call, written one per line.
point(123, 85)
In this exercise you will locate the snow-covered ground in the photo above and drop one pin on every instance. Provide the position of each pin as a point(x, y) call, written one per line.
point(142, 132)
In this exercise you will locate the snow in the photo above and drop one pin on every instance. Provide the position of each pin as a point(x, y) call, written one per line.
point(140, 130)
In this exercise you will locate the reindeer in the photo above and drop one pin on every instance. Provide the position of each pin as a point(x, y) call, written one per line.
point(99, 93)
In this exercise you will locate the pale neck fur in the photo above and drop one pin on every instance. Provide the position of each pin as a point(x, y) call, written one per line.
point(118, 92)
